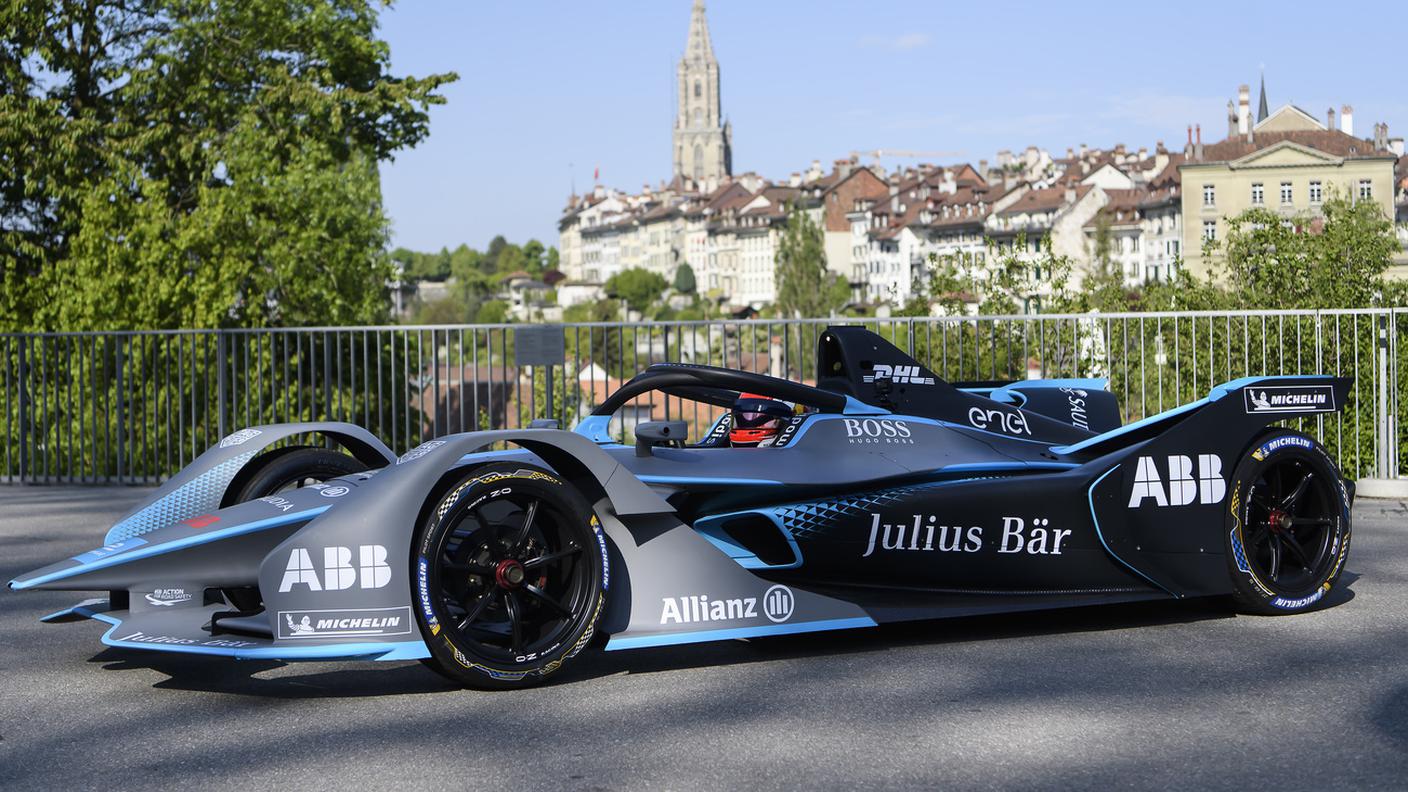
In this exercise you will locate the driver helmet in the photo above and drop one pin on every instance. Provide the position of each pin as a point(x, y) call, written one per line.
point(757, 420)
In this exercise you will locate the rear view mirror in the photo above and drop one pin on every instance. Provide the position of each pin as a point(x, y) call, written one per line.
point(659, 433)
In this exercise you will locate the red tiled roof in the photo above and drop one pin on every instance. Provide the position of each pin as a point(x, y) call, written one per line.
point(1123, 208)
point(1330, 141)
point(1043, 200)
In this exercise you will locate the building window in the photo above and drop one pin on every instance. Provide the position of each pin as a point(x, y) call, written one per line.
point(696, 89)
point(1286, 192)
point(1366, 189)
point(1315, 192)
point(1210, 230)
point(1209, 195)
point(1258, 195)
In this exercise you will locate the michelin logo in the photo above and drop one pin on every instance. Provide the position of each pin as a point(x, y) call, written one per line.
point(1290, 399)
point(1281, 442)
point(345, 623)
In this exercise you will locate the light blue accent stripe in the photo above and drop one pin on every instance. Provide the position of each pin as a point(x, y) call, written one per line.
point(711, 528)
point(1214, 395)
point(367, 650)
point(481, 456)
point(1090, 498)
point(84, 609)
point(170, 547)
point(596, 428)
point(971, 467)
point(707, 480)
point(107, 550)
point(812, 420)
point(674, 639)
point(1127, 428)
point(855, 406)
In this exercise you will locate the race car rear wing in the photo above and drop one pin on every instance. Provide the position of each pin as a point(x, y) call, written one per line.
point(1243, 404)
point(858, 363)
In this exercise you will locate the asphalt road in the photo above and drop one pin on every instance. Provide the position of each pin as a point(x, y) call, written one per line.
point(1168, 695)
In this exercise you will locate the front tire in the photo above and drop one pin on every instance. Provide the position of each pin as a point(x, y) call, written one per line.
point(290, 468)
point(510, 570)
point(1288, 525)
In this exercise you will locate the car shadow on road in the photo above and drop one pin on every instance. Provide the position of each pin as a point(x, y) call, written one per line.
point(360, 680)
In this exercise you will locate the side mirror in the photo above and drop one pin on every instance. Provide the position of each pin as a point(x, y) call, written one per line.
point(659, 433)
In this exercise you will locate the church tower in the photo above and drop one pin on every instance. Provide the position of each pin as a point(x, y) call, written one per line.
point(703, 140)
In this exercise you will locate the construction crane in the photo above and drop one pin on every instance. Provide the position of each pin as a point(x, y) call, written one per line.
point(878, 154)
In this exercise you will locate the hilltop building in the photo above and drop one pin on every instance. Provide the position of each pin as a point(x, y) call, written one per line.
point(1288, 161)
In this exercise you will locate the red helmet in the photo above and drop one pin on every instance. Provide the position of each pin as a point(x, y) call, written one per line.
point(757, 419)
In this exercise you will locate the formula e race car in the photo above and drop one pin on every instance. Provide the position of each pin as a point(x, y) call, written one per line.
point(886, 494)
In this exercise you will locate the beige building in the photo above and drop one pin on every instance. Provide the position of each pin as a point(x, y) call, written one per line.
point(1289, 163)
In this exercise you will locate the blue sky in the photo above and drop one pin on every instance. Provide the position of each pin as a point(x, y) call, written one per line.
point(549, 90)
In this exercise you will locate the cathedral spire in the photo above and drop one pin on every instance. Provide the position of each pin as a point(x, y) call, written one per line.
point(702, 140)
point(698, 47)
point(1261, 112)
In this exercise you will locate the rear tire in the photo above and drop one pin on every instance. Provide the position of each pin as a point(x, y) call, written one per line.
point(510, 569)
point(291, 468)
point(1288, 525)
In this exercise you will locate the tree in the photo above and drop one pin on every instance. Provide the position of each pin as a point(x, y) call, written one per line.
point(447, 310)
point(491, 255)
point(947, 283)
point(492, 312)
point(532, 257)
point(1336, 260)
point(804, 286)
point(639, 288)
point(180, 163)
point(684, 279)
point(510, 260)
point(1104, 287)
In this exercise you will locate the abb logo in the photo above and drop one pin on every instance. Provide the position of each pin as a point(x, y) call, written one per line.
point(337, 572)
point(1183, 488)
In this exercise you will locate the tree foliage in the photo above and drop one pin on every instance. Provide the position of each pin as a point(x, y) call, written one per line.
point(684, 279)
point(1335, 260)
point(639, 288)
point(805, 288)
point(200, 164)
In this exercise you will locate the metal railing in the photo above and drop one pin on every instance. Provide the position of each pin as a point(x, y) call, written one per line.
point(134, 407)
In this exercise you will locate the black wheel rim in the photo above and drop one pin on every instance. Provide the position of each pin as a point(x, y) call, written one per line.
point(1292, 513)
point(510, 577)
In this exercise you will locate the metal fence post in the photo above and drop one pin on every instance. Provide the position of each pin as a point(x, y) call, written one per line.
point(121, 417)
point(1392, 407)
point(1384, 429)
point(1384, 434)
point(23, 382)
point(220, 383)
